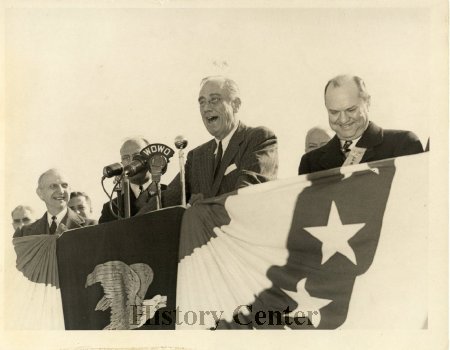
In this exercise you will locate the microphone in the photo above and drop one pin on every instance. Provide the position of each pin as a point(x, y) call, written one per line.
point(138, 164)
point(180, 142)
point(158, 166)
point(114, 169)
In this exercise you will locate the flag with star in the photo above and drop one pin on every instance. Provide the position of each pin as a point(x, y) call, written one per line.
point(342, 248)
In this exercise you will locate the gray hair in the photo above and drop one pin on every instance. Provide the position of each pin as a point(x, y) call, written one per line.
point(341, 79)
point(228, 84)
point(52, 170)
point(22, 207)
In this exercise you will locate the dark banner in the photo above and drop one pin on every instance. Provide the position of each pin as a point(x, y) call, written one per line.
point(122, 274)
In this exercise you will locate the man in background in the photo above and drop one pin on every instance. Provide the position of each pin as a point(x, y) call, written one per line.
point(317, 137)
point(54, 191)
point(357, 139)
point(139, 183)
point(81, 204)
point(22, 215)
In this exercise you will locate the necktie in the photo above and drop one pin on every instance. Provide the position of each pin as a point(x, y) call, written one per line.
point(346, 148)
point(218, 159)
point(141, 189)
point(53, 226)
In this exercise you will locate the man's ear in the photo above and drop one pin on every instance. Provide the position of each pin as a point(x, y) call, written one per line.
point(368, 103)
point(39, 193)
point(236, 104)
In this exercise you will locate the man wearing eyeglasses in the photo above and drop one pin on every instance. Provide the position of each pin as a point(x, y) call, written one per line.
point(139, 183)
point(357, 139)
point(22, 215)
point(53, 190)
point(236, 157)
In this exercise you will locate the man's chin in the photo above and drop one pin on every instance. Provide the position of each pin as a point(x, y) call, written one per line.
point(139, 179)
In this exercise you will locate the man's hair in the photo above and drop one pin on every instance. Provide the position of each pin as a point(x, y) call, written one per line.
point(23, 207)
point(135, 139)
point(52, 170)
point(81, 194)
point(341, 79)
point(228, 84)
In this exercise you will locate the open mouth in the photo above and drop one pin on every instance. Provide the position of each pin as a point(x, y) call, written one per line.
point(59, 198)
point(212, 118)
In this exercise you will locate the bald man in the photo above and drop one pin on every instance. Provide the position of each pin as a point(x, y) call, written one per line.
point(139, 183)
point(53, 190)
point(22, 215)
point(317, 137)
point(357, 139)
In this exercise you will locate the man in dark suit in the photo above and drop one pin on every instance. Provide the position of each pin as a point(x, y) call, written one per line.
point(139, 183)
point(357, 140)
point(238, 156)
point(54, 191)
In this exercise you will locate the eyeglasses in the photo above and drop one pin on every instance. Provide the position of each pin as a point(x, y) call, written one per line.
point(212, 101)
point(128, 157)
point(24, 220)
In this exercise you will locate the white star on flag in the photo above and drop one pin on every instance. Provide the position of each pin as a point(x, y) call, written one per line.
point(335, 236)
point(306, 304)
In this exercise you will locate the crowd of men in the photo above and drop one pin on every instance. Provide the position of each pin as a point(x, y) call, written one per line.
point(237, 156)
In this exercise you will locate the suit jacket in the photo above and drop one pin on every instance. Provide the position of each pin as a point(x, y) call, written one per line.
point(135, 206)
point(380, 144)
point(40, 227)
point(250, 158)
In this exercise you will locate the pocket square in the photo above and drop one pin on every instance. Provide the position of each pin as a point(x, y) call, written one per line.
point(231, 168)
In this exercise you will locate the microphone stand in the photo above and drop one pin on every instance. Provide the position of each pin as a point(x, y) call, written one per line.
point(119, 190)
point(126, 197)
point(156, 178)
point(182, 178)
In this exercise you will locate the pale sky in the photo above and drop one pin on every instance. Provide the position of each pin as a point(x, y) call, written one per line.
point(80, 81)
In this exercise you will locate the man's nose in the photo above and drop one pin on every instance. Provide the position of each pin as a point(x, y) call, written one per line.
point(343, 118)
point(206, 107)
point(61, 188)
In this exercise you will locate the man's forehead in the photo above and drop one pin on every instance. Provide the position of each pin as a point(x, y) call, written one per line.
point(318, 134)
point(53, 177)
point(77, 200)
point(212, 87)
point(21, 213)
point(131, 147)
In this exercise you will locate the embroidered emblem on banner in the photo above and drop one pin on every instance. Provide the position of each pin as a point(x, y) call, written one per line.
point(125, 287)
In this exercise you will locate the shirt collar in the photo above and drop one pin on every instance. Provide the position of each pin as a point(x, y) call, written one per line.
point(226, 139)
point(59, 217)
point(354, 142)
point(136, 190)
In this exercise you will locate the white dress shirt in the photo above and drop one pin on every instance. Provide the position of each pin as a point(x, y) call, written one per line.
point(59, 217)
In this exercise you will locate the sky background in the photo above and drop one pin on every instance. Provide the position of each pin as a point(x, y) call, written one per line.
point(80, 81)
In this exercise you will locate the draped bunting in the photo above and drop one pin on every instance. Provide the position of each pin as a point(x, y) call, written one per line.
point(343, 248)
point(33, 297)
point(340, 249)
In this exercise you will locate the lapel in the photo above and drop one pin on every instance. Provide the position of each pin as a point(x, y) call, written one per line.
point(232, 149)
point(72, 219)
point(331, 156)
point(372, 137)
point(207, 166)
point(42, 226)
